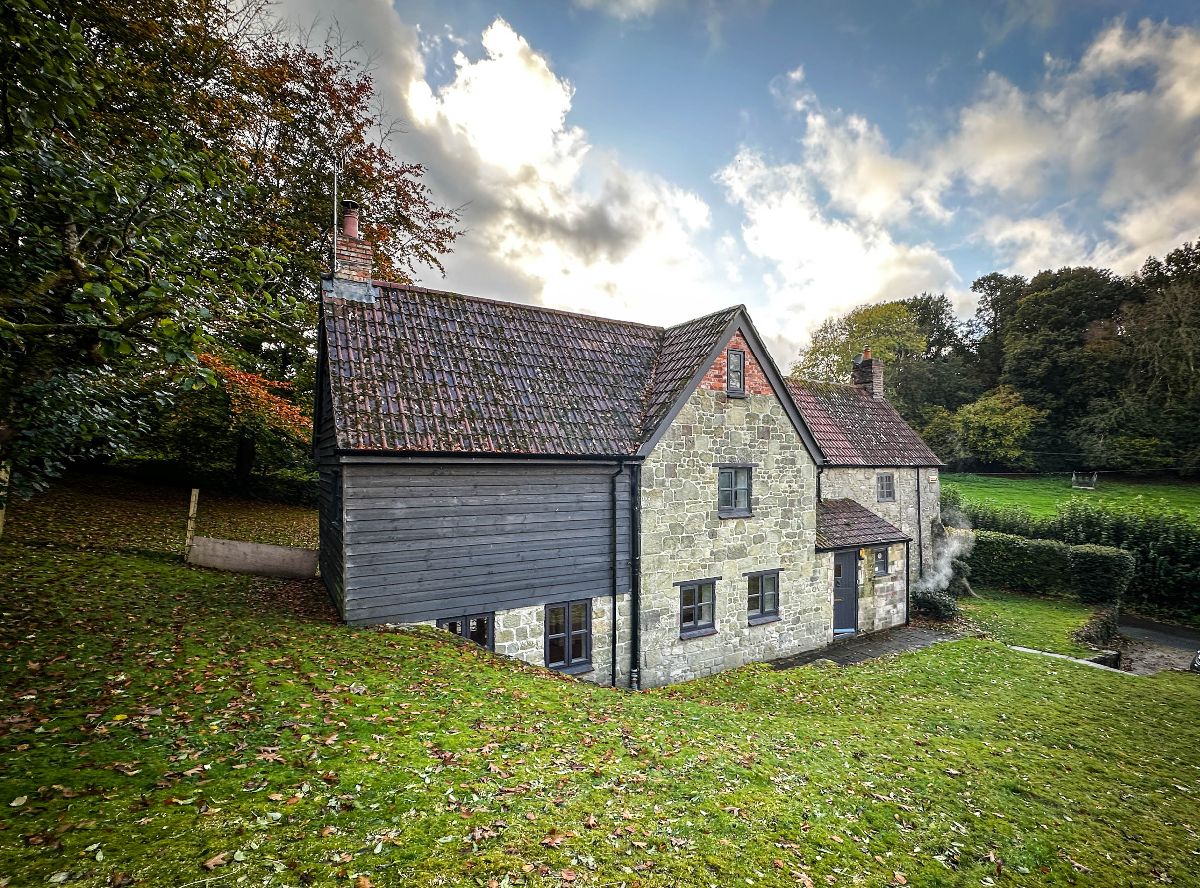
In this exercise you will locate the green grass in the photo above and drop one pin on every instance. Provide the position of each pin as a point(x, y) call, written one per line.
point(156, 717)
point(1039, 495)
point(1045, 624)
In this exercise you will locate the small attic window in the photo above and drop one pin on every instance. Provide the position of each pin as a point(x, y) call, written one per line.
point(735, 372)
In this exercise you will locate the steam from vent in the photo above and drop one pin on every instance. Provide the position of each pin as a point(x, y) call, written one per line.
point(953, 540)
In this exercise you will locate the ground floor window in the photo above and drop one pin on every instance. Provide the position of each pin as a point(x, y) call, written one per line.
point(881, 561)
point(474, 627)
point(762, 594)
point(697, 606)
point(569, 635)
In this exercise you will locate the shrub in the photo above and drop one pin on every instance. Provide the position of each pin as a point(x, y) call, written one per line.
point(1164, 542)
point(959, 571)
point(936, 603)
point(1015, 562)
point(1100, 574)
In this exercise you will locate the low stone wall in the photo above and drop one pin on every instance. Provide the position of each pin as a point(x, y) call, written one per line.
point(253, 558)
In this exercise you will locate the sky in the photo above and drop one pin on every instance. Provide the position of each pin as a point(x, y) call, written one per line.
point(654, 160)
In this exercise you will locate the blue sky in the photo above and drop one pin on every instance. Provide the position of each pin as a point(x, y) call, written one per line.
point(656, 159)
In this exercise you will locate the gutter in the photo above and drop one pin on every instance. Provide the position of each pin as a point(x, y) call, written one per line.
point(635, 576)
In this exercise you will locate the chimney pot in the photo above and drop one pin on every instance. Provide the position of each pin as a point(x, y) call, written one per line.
point(350, 219)
point(866, 353)
point(867, 374)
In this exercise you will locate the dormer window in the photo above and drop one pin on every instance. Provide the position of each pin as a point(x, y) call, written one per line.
point(735, 372)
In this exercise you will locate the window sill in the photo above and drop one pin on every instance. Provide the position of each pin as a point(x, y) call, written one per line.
point(763, 619)
point(740, 513)
point(697, 633)
point(577, 669)
point(736, 395)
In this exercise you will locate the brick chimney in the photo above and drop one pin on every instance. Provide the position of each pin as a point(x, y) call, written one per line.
point(353, 253)
point(868, 373)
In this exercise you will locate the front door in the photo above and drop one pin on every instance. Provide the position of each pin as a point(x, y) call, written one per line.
point(845, 592)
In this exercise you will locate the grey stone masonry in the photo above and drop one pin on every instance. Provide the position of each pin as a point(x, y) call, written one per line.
point(520, 633)
point(860, 484)
point(683, 538)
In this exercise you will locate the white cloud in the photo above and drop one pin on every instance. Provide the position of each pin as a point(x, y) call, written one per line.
point(550, 218)
point(624, 10)
point(821, 265)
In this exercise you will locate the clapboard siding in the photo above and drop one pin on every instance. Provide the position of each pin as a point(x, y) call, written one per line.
point(424, 541)
point(329, 495)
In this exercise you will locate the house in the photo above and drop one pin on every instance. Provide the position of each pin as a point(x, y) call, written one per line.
point(635, 505)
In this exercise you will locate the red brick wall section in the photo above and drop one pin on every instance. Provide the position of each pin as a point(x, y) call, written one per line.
point(756, 380)
point(354, 258)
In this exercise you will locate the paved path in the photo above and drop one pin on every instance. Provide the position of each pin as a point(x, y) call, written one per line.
point(868, 647)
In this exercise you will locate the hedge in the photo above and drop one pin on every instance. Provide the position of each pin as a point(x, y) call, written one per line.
point(1094, 574)
point(1164, 542)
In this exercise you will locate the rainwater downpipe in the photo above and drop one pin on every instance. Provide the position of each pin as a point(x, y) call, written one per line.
point(635, 576)
point(612, 618)
point(920, 530)
point(907, 577)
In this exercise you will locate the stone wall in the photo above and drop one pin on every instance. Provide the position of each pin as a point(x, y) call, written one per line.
point(881, 599)
point(859, 485)
point(684, 539)
point(520, 633)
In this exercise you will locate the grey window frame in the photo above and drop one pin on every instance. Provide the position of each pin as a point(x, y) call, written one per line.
point(762, 614)
point(891, 482)
point(887, 560)
point(738, 391)
point(733, 510)
point(490, 616)
point(570, 665)
point(695, 628)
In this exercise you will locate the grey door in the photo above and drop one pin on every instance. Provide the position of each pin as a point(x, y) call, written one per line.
point(845, 592)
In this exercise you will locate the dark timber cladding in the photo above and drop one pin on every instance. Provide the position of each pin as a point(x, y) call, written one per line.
point(425, 540)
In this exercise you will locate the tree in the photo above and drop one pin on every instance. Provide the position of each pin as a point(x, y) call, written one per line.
point(1065, 348)
point(118, 211)
point(998, 298)
point(889, 329)
point(994, 429)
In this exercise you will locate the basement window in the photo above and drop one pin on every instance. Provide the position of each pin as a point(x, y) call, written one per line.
point(733, 491)
point(478, 628)
point(735, 372)
point(885, 487)
point(569, 636)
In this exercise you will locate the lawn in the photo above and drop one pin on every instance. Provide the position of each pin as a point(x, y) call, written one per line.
point(1039, 495)
point(177, 726)
point(1045, 624)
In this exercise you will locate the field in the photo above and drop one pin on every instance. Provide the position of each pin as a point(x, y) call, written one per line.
point(163, 725)
point(1039, 495)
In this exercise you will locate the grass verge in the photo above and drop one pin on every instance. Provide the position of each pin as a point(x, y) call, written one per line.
point(1045, 624)
point(177, 726)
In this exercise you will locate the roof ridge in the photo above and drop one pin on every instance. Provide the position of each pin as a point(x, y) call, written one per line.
point(528, 306)
point(729, 309)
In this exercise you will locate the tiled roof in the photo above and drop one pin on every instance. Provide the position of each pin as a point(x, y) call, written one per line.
point(854, 429)
point(423, 370)
point(845, 524)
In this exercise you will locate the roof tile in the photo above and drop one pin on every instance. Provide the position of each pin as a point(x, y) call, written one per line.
point(846, 524)
point(854, 429)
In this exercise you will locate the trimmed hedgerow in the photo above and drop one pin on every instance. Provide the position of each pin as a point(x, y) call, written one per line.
point(1019, 563)
point(1164, 542)
point(1100, 574)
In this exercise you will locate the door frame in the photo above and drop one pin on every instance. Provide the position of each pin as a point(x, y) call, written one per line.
point(852, 556)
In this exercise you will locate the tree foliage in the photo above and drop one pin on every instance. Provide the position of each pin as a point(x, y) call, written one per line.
point(166, 172)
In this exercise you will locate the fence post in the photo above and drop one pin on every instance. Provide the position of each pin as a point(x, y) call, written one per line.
point(191, 525)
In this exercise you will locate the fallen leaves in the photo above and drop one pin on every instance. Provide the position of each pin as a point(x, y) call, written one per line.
point(216, 860)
